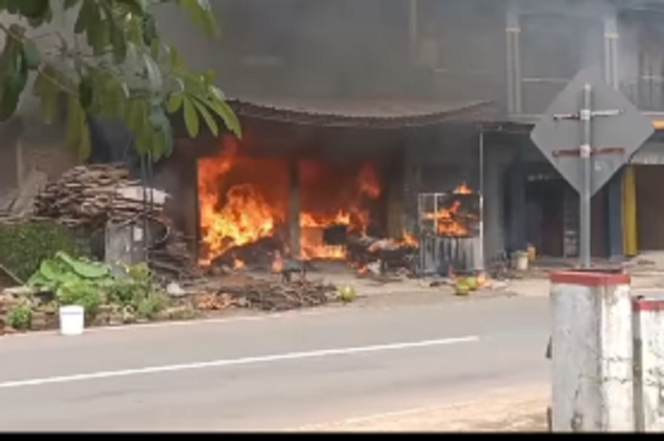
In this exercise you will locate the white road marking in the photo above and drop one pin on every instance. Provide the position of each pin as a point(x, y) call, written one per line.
point(237, 361)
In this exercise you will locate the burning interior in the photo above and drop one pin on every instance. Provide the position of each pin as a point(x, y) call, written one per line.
point(244, 207)
point(343, 210)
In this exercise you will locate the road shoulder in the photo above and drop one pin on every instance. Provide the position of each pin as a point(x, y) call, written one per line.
point(521, 409)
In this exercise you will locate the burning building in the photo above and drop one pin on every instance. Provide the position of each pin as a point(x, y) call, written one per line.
point(337, 189)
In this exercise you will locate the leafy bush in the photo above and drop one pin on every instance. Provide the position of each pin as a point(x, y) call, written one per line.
point(20, 316)
point(24, 246)
point(90, 284)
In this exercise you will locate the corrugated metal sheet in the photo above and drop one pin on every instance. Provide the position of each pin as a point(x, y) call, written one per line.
point(364, 113)
point(652, 153)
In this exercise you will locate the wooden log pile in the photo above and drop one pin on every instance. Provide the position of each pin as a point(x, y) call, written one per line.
point(273, 294)
point(88, 195)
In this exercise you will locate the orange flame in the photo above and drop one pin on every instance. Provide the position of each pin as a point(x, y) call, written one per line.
point(463, 189)
point(448, 220)
point(277, 263)
point(243, 200)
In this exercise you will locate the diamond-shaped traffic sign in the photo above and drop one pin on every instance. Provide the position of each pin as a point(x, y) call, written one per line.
point(615, 136)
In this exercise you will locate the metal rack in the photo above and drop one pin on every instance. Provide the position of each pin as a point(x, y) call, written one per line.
point(440, 253)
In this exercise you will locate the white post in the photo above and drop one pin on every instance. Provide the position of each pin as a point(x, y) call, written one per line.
point(649, 363)
point(592, 352)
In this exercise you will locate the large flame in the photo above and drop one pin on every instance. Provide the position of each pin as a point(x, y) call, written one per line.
point(243, 200)
point(448, 220)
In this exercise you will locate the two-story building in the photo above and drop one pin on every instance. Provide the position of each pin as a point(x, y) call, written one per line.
point(404, 85)
point(290, 59)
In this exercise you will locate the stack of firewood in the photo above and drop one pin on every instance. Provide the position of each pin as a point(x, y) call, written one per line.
point(89, 195)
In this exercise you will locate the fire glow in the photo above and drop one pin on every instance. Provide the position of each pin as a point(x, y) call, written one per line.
point(244, 199)
point(449, 219)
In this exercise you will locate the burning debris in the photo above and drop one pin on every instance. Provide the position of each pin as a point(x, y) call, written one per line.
point(244, 204)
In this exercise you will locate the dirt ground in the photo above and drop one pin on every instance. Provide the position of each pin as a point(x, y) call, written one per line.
point(515, 410)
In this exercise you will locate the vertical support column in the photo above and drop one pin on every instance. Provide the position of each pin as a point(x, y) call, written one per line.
point(629, 219)
point(513, 45)
point(615, 217)
point(611, 51)
point(481, 259)
point(294, 232)
point(592, 352)
point(518, 214)
point(649, 364)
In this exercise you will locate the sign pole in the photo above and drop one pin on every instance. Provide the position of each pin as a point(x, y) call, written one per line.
point(586, 190)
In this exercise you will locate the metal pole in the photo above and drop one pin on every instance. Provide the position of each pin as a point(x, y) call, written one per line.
point(481, 195)
point(586, 169)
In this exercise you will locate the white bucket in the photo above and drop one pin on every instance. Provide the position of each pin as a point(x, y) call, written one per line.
point(520, 260)
point(72, 320)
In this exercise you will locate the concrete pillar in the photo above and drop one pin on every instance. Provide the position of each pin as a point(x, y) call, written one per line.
point(649, 363)
point(294, 228)
point(592, 356)
point(124, 245)
point(517, 215)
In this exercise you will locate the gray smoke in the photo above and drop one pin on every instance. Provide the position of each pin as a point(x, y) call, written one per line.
point(363, 49)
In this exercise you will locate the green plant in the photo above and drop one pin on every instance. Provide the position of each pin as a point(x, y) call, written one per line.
point(23, 246)
point(74, 281)
point(148, 307)
point(20, 316)
point(91, 284)
point(124, 71)
point(137, 283)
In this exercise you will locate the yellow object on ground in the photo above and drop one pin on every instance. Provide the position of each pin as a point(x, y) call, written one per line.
point(630, 233)
point(532, 253)
point(461, 288)
point(472, 283)
point(347, 294)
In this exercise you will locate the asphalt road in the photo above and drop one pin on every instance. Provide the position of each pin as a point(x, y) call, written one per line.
point(271, 373)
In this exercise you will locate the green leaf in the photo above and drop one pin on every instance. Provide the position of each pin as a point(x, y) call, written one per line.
point(191, 118)
point(229, 117)
point(85, 91)
point(201, 14)
point(48, 92)
point(83, 19)
point(175, 102)
point(175, 60)
point(153, 74)
point(85, 269)
point(119, 43)
point(31, 55)
point(14, 75)
point(78, 134)
point(97, 31)
point(34, 9)
point(150, 32)
point(137, 7)
point(209, 119)
point(71, 3)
